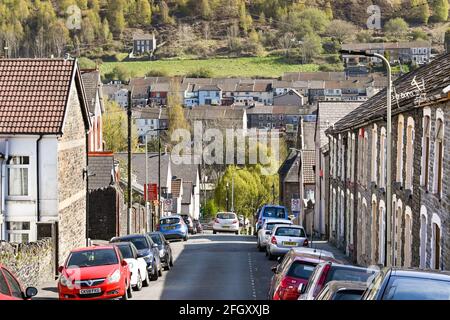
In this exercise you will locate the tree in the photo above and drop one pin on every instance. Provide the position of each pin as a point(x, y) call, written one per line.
point(302, 23)
point(420, 11)
point(341, 30)
point(177, 119)
point(329, 10)
point(116, 17)
point(440, 10)
point(120, 72)
point(396, 27)
point(310, 48)
point(165, 15)
point(447, 40)
point(205, 9)
point(245, 20)
point(115, 128)
point(143, 12)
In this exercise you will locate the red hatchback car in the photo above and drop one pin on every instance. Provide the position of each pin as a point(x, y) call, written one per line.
point(11, 289)
point(295, 269)
point(94, 273)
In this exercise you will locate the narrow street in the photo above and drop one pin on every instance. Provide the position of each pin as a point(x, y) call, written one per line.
point(207, 267)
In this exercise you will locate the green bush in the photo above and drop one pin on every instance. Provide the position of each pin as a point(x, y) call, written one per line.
point(201, 73)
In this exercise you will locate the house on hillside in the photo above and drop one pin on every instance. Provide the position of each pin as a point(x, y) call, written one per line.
point(44, 129)
point(117, 93)
point(210, 95)
point(290, 98)
point(144, 44)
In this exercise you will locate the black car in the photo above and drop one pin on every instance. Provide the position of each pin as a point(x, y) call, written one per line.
point(165, 251)
point(190, 224)
point(148, 250)
point(409, 284)
point(342, 290)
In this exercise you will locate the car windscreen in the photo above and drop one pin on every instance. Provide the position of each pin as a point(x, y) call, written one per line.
point(226, 216)
point(406, 288)
point(92, 258)
point(273, 212)
point(270, 226)
point(301, 270)
point(346, 274)
point(140, 243)
point(348, 295)
point(156, 239)
point(126, 252)
point(170, 221)
point(290, 232)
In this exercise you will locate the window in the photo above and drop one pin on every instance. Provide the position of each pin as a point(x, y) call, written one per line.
point(374, 230)
point(4, 289)
point(374, 153)
point(352, 175)
point(400, 130)
point(406, 288)
point(409, 154)
point(18, 232)
point(423, 236)
point(383, 164)
point(439, 153)
point(408, 237)
point(18, 176)
point(426, 150)
point(398, 235)
point(382, 233)
point(365, 158)
point(436, 243)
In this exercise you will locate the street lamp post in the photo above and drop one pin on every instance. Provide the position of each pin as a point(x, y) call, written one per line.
point(228, 207)
point(232, 188)
point(389, 256)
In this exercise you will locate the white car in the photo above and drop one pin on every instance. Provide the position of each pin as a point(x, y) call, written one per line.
point(284, 238)
point(314, 251)
point(226, 222)
point(138, 266)
point(266, 230)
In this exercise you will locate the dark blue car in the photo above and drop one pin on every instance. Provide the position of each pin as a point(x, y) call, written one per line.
point(174, 227)
point(270, 211)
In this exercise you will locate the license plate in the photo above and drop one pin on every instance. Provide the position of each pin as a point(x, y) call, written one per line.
point(90, 291)
point(290, 244)
point(170, 228)
point(226, 227)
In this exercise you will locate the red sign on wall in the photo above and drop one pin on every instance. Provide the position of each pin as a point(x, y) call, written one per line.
point(151, 192)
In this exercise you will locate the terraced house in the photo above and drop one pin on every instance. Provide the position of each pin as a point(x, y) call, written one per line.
point(44, 133)
point(420, 167)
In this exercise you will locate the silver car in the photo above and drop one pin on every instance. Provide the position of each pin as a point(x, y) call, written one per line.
point(284, 238)
point(266, 230)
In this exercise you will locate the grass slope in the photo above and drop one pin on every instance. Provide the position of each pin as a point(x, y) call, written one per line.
point(271, 67)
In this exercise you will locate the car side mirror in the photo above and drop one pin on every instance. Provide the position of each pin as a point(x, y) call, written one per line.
point(275, 269)
point(167, 242)
point(155, 246)
point(268, 232)
point(60, 269)
point(124, 263)
point(301, 288)
point(30, 292)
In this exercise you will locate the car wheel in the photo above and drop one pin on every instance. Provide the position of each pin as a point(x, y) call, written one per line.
point(271, 256)
point(171, 261)
point(138, 286)
point(237, 233)
point(214, 232)
point(125, 296)
point(160, 270)
point(129, 293)
point(185, 238)
point(267, 253)
point(154, 276)
point(146, 282)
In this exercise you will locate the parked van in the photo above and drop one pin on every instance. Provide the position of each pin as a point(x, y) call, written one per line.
point(270, 211)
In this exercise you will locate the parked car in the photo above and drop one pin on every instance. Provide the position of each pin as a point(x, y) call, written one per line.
point(190, 224)
point(95, 273)
point(314, 251)
point(11, 288)
point(328, 271)
point(409, 284)
point(342, 290)
point(283, 238)
point(294, 269)
point(173, 227)
point(270, 212)
point(198, 226)
point(148, 250)
point(266, 230)
point(138, 266)
point(226, 222)
point(165, 251)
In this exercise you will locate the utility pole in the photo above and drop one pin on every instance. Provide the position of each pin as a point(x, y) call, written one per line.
point(159, 174)
point(273, 192)
point(129, 163)
point(228, 207)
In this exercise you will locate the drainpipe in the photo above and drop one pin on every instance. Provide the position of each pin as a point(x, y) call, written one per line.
point(38, 197)
point(3, 191)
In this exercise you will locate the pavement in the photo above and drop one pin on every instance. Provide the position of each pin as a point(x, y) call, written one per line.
point(210, 267)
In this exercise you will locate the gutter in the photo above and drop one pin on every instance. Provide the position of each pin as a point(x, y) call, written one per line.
point(3, 234)
point(38, 192)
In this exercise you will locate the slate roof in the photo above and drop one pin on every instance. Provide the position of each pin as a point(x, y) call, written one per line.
point(140, 36)
point(386, 45)
point(92, 85)
point(286, 110)
point(328, 114)
point(176, 188)
point(435, 76)
point(308, 159)
point(210, 87)
point(308, 131)
point(288, 171)
point(311, 76)
point(187, 172)
point(101, 166)
point(34, 94)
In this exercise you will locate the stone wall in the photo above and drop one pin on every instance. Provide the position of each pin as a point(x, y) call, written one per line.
point(71, 180)
point(32, 263)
